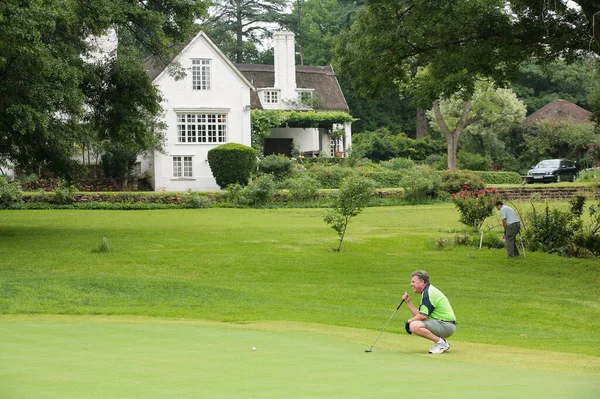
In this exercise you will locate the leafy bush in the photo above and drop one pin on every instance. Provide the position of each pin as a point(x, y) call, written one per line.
point(260, 191)
point(280, 166)
point(475, 206)
point(329, 176)
point(551, 230)
point(463, 239)
point(303, 188)
point(592, 175)
point(192, 199)
point(455, 180)
point(383, 177)
point(420, 183)
point(499, 177)
point(232, 163)
point(398, 163)
point(433, 160)
point(469, 160)
point(64, 194)
point(10, 193)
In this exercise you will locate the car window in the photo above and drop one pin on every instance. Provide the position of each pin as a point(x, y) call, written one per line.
point(548, 164)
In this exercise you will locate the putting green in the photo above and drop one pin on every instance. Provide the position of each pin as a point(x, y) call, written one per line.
point(124, 357)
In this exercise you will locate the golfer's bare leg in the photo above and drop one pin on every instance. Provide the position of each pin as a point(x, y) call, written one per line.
point(418, 328)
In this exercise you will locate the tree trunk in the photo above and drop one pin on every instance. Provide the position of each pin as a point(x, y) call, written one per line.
point(239, 39)
point(452, 137)
point(421, 124)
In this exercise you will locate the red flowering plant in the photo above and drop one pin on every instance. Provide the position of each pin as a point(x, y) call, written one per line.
point(475, 206)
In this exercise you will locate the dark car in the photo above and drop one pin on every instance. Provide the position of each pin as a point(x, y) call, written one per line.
point(552, 170)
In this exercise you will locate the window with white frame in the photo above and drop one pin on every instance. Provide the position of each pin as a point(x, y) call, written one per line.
point(201, 128)
point(200, 74)
point(271, 96)
point(182, 167)
point(305, 97)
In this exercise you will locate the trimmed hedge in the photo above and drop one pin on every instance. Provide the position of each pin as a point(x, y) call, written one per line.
point(232, 163)
point(499, 177)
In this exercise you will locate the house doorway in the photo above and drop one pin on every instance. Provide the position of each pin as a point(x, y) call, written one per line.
point(278, 146)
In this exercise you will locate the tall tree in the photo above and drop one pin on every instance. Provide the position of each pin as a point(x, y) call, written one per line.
point(455, 42)
point(50, 88)
point(237, 26)
point(537, 85)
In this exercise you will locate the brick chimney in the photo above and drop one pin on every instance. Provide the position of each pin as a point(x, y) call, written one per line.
point(285, 64)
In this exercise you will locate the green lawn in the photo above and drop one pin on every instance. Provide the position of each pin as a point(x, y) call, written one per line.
point(270, 268)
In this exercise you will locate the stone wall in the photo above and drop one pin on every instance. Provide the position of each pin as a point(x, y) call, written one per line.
point(548, 193)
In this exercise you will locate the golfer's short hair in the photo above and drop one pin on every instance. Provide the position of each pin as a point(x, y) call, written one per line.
point(422, 275)
point(499, 203)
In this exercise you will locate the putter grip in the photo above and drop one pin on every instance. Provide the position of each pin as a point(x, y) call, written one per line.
point(401, 302)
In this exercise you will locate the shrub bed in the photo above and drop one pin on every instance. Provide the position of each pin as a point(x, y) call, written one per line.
point(499, 177)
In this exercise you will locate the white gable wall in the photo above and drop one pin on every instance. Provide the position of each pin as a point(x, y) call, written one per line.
point(229, 94)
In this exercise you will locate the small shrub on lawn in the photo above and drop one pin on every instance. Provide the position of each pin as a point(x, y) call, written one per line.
point(455, 180)
point(354, 195)
point(492, 240)
point(10, 193)
point(551, 230)
point(475, 206)
point(463, 239)
point(441, 243)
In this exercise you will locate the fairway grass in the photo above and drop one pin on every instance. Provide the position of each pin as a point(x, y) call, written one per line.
point(126, 357)
point(182, 296)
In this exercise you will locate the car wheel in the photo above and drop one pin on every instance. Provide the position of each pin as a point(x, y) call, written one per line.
point(558, 178)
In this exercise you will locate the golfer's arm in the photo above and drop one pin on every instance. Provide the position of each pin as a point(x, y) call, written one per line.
point(504, 224)
point(412, 309)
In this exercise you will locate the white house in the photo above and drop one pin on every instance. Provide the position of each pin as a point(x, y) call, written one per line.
point(287, 86)
point(211, 106)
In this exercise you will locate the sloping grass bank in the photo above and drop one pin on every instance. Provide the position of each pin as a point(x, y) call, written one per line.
point(238, 265)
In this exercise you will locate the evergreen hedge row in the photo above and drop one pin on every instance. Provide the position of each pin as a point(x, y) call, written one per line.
point(499, 177)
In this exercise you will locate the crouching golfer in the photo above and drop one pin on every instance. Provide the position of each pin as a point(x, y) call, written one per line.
point(435, 318)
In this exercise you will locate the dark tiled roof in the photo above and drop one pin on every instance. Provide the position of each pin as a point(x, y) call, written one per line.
point(558, 111)
point(321, 79)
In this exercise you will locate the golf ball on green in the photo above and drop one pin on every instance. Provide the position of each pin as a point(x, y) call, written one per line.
point(254, 348)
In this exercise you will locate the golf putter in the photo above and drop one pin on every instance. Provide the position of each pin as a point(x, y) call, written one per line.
point(393, 314)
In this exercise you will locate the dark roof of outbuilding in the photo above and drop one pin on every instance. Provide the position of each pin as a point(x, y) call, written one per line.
point(321, 79)
point(558, 111)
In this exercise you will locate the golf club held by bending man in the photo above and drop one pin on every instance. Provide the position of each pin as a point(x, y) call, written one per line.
point(434, 319)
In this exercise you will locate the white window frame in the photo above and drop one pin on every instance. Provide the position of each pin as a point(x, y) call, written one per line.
point(308, 94)
point(183, 167)
point(271, 96)
point(201, 73)
point(194, 127)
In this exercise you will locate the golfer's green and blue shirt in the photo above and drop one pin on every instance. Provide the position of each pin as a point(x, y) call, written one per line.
point(435, 305)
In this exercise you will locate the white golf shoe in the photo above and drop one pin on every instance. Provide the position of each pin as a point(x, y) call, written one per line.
point(439, 348)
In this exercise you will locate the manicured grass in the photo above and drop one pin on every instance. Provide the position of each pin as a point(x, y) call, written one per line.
point(123, 357)
point(237, 265)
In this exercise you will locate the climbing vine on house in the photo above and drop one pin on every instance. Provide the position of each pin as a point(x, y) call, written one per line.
point(265, 120)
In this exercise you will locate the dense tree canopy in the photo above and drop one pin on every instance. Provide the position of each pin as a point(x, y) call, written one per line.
point(238, 26)
point(52, 91)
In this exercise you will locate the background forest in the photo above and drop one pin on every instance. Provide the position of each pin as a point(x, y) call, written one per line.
point(447, 82)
